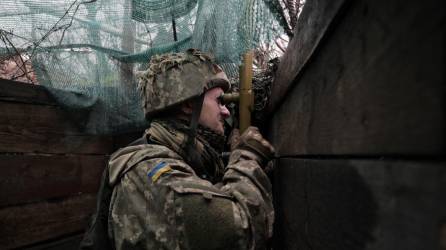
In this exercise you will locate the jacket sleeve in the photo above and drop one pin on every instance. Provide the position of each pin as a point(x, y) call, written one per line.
point(162, 204)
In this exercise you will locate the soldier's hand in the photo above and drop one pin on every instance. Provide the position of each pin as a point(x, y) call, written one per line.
point(234, 138)
point(254, 142)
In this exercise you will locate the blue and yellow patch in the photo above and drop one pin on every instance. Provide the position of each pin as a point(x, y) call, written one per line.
point(158, 170)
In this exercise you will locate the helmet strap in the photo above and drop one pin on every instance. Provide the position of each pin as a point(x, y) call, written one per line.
point(189, 147)
point(196, 111)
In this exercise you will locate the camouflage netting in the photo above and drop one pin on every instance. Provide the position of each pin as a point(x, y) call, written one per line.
point(86, 52)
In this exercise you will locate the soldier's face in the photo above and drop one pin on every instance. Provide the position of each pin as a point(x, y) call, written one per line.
point(213, 113)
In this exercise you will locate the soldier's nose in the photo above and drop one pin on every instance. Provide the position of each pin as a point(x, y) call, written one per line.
point(225, 112)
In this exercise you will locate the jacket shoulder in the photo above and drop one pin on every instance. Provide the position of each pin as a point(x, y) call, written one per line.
point(127, 158)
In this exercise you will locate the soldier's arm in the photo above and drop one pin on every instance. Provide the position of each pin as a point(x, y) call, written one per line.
point(245, 179)
point(179, 209)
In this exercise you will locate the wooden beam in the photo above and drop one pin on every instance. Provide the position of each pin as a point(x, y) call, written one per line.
point(66, 243)
point(124, 139)
point(45, 129)
point(359, 204)
point(38, 222)
point(31, 178)
point(24, 92)
point(375, 87)
point(313, 25)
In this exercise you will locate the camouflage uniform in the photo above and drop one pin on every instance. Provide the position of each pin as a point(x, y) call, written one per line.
point(179, 210)
point(158, 198)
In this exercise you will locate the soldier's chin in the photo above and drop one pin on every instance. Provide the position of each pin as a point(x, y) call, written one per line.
point(220, 130)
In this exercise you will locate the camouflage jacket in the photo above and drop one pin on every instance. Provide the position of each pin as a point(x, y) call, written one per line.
point(159, 202)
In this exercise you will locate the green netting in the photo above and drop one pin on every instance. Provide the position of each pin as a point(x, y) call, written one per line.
point(86, 52)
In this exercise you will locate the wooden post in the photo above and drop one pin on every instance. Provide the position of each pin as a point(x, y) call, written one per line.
point(246, 95)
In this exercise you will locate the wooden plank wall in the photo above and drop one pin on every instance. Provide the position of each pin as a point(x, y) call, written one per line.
point(50, 170)
point(361, 89)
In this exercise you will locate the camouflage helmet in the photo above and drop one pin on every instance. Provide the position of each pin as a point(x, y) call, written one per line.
point(175, 77)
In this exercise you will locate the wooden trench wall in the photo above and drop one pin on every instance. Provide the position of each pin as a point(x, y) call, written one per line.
point(358, 122)
point(357, 118)
point(50, 170)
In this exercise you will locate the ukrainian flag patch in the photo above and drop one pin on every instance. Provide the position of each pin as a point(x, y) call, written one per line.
point(158, 170)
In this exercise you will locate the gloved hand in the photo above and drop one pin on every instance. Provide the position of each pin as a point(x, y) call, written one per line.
point(252, 141)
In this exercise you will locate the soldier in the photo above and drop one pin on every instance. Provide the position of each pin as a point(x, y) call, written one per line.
point(170, 189)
